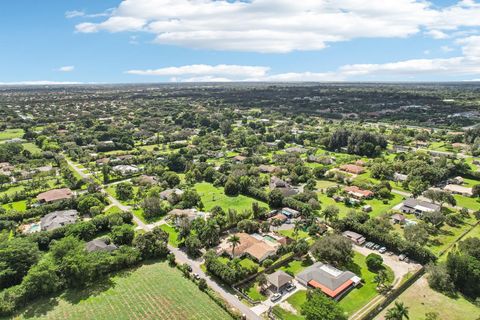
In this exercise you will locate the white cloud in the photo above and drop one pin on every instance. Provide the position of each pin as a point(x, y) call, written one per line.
point(204, 70)
point(66, 69)
point(282, 25)
point(74, 14)
point(446, 48)
point(38, 83)
point(466, 65)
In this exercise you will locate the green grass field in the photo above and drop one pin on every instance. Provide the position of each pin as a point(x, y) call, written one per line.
point(172, 234)
point(153, 291)
point(11, 134)
point(296, 266)
point(20, 206)
point(466, 202)
point(420, 299)
point(32, 147)
point(212, 196)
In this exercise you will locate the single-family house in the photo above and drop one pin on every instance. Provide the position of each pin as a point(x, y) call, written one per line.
point(398, 218)
point(418, 207)
point(457, 189)
point(55, 195)
point(285, 188)
point(58, 219)
point(171, 195)
point(290, 213)
point(399, 177)
point(333, 282)
point(354, 237)
point(100, 245)
point(125, 169)
point(254, 245)
point(358, 193)
point(352, 168)
point(178, 215)
point(278, 280)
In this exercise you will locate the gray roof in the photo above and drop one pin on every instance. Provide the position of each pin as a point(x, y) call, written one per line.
point(326, 275)
point(100, 245)
point(279, 278)
point(58, 219)
point(412, 203)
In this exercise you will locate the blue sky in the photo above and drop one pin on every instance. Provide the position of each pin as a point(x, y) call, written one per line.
point(114, 41)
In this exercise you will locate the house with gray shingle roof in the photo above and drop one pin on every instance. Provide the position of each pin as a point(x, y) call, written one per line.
point(100, 245)
point(57, 219)
point(333, 282)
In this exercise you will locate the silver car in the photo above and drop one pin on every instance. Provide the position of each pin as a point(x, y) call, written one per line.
point(276, 297)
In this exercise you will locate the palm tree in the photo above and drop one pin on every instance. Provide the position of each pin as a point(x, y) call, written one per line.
point(234, 240)
point(397, 312)
point(298, 225)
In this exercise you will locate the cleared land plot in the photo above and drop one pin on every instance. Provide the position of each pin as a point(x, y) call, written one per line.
point(212, 196)
point(32, 147)
point(420, 299)
point(154, 291)
point(10, 134)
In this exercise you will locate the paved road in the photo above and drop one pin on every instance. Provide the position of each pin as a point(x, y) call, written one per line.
point(180, 256)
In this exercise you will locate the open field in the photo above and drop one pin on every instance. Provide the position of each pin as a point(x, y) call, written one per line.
point(10, 134)
point(153, 291)
point(212, 196)
point(420, 299)
point(32, 147)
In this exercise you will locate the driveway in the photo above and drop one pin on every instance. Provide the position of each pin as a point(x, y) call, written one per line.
point(267, 304)
point(399, 268)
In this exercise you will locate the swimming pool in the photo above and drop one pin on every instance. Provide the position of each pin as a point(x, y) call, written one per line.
point(34, 227)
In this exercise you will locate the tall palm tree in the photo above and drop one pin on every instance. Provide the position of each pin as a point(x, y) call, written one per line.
point(397, 312)
point(296, 228)
point(234, 240)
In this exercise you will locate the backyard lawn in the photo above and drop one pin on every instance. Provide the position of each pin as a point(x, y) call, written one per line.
point(153, 291)
point(172, 234)
point(11, 134)
point(296, 266)
point(32, 147)
point(20, 206)
point(212, 196)
point(420, 299)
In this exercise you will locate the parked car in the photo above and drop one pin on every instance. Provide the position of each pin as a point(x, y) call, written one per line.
point(382, 250)
point(376, 247)
point(369, 245)
point(402, 257)
point(276, 297)
point(290, 287)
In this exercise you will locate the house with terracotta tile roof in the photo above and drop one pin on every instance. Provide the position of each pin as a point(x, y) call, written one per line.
point(352, 168)
point(255, 245)
point(333, 282)
point(55, 195)
point(358, 193)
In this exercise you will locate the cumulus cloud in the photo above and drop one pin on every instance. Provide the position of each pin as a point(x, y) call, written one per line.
point(282, 25)
point(66, 69)
point(204, 70)
point(466, 65)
